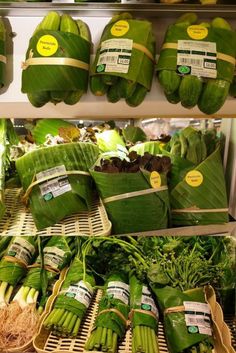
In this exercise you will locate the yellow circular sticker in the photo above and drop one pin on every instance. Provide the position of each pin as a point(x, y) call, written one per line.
point(47, 45)
point(197, 32)
point(120, 28)
point(194, 178)
point(155, 179)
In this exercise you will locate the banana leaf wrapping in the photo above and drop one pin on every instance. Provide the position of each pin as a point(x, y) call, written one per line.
point(63, 77)
point(179, 336)
point(77, 189)
point(140, 67)
point(57, 255)
point(208, 201)
point(3, 142)
point(19, 254)
point(222, 37)
point(2, 53)
point(135, 213)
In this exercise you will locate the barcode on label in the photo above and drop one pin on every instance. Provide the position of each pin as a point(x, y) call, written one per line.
point(198, 322)
point(190, 62)
point(108, 59)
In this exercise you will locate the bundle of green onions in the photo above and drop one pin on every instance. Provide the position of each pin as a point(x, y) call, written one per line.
point(111, 321)
point(144, 317)
point(72, 302)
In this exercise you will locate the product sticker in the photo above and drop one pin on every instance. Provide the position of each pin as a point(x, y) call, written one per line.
point(115, 55)
point(81, 291)
point(197, 32)
point(120, 28)
point(155, 179)
point(47, 45)
point(118, 290)
point(56, 186)
point(196, 58)
point(147, 302)
point(53, 256)
point(22, 250)
point(194, 178)
point(198, 317)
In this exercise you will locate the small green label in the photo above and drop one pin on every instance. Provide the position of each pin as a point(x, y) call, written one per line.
point(12, 253)
point(146, 307)
point(184, 69)
point(192, 329)
point(48, 196)
point(100, 68)
point(70, 295)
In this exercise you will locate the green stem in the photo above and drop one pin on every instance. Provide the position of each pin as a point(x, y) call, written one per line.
point(109, 338)
point(76, 327)
point(98, 337)
point(67, 322)
point(71, 324)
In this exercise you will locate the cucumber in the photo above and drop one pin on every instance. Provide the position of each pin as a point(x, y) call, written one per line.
point(213, 96)
point(138, 96)
point(58, 96)
point(38, 99)
point(68, 25)
point(97, 87)
point(187, 19)
point(219, 22)
point(122, 16)
point(169, 80)
point(232, 90)
point(172, 97)
point(189, 91)
point(126, 87)
point(73, 97)
point(113, 94)
point(109, 80)
point(50, 22)
point(84, 30)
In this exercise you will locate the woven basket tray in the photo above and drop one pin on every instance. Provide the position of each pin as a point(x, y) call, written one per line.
point(46, 342)
point(18, 220)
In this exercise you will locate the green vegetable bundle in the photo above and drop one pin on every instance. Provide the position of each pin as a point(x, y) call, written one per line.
point(57, 61)
point(144, 318)
point(56, 255)
point(124, 62)
point(3, 159)
point(138, 211)
point(196, 64)
point(2, 52)
point(197, 183)
point(66, 186)
point(110, 324)
point(13, 266)
point(187, 322)
point(72, 302)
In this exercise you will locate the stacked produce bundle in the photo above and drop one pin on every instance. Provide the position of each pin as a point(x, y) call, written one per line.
point(57, 61)
point(124, 63)
point(56, 180)
point(144, 317)
point(28, 302)
point(196, 64)
point(2, 52)
point(134, 191)
point(197, 183)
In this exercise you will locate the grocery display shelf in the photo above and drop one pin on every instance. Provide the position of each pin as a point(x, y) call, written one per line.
point(107, 8)
point(18, 220)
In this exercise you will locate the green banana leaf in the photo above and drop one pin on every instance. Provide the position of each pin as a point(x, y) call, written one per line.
point(3, 151)
point(48, 126)
point(210, 194)
point(74, 278)
point(153, 147)
point(141, 68)
point(46, 208)
point(133, 134)
point(134, 214)
point(2, 52)
point(45, 77)
point(179, 336)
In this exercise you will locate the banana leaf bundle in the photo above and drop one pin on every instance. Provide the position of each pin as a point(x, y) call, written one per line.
point(197, 61)
point(132, 201)
point(110, 324)
point(187, 320)
point(2, 53)
point(197, 183)
point(144, 317)
point(63, 184)
point(13, 265)
point(57, 61)
point(72, 301)
point(124, 62)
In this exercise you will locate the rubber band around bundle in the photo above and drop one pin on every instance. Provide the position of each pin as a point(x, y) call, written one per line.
point(49, 177)
point(46, 267)
point(121, 316)
point(174, 309)
point(221, 56)
point(55, 61)
point(200, 210)
point(134, 194)
point(14, 260)
point(3, 59)
point(141, 311)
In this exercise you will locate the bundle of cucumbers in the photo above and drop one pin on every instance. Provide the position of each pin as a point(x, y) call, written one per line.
point(57, 61)
point(124, 63)
point(2, 52)
point(196, 64)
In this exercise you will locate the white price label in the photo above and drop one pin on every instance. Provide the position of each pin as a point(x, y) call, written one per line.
point(53, 256)
point(198, 317)
point(147, 302)
point(81, 291)
point(22, 250)
point(118, 290)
